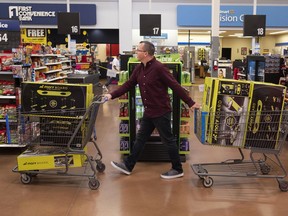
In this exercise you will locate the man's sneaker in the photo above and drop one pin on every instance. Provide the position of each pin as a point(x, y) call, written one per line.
point(171, 174)
point(121, 167)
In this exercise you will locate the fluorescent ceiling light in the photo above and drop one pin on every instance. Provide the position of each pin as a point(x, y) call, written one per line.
point(279, 32)
point(236, 35)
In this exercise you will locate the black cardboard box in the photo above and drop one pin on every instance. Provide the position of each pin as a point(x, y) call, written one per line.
point(55, 96)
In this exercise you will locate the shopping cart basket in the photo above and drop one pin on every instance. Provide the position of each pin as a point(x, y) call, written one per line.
point(57, 142)
point(263, 134)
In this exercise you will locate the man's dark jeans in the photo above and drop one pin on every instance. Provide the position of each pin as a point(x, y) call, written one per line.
point(163, 125)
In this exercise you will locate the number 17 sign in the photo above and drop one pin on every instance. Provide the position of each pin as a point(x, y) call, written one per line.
point(150, 24)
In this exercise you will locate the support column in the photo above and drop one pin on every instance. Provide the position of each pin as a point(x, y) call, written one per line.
point(215, 42)
point(68, 35)
point(253, 38)
point(125, 25)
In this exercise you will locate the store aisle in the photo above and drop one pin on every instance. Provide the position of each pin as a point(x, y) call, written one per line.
point(143, 193)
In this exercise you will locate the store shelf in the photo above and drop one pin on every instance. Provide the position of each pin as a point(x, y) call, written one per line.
point(7, 97)
point(52, 71)
point(184, 135)
point(186, 84)
point(5, 72)
point(8, 106)
point(53, 63)
point(124, 135)
point(50, 64)
point(124, 118)
point(15, 145)
point(40, 68)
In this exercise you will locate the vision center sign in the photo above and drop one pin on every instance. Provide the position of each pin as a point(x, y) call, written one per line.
point(230, 16)
point(46, 14)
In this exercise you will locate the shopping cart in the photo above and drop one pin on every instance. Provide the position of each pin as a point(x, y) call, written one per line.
point(57, 142)
point(262, 133)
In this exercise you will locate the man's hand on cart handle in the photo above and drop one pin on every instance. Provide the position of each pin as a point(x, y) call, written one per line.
point(107, 97)
point(195, 106)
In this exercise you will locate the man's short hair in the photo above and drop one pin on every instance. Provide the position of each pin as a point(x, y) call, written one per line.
point(149, 47)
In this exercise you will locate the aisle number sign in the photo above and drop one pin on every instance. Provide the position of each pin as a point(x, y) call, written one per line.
point(68, 23)
point(9, 34)
point(254, 25)
point(150, 24)
point(3, 37)
point(34, 35)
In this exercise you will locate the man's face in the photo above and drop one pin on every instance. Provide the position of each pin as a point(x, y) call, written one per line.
point(141, 52)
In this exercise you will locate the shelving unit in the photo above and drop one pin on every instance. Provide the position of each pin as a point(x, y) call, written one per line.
point(154, 149)
point(49, 68)
point(9, 136)
point(66, 66)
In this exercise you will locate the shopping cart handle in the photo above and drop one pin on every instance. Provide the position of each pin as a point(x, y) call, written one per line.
point(100, 99)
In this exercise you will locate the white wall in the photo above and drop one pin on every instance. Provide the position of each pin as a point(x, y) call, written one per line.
point(236, 44)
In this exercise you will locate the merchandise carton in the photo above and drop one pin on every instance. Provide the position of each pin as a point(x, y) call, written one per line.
point(55, 96)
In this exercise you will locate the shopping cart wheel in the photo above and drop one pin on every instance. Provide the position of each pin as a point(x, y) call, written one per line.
point(93, 184)
point(207, 182)
point(283, 185)
point(100, 166)
point(26, 178)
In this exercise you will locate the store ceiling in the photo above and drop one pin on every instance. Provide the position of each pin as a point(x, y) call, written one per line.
point(227, 33)
point(237, 33)
point(274, 2)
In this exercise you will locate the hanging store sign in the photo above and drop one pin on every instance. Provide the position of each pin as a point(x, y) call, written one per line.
point(9, 34)
point(163, 36)
point(150, 24)
point(68, 23)
point(229, 16)
point(46, 14)
point(33, 35)
point(254, 25)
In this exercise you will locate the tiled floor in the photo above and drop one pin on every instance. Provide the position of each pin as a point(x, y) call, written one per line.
point(144, 192)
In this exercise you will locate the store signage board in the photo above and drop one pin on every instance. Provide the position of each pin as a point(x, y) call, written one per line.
point(33, 35)
point(229, 15)
point(150, 24)
point(68, 23)
point(254, 25)
point(46, 14)
point(9, 34)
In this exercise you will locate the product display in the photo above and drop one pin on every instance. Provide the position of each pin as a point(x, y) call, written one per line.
point(238, 112)
point(265, 113)
point(9, 104)
point(48, 160)
point(53, 96)
point(228, 111)
point(132, 111)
